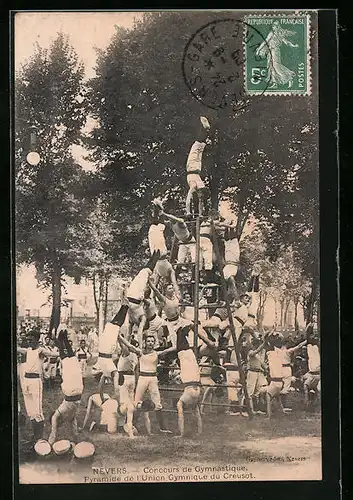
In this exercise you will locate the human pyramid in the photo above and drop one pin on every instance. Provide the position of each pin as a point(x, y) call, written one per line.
point(163, 337)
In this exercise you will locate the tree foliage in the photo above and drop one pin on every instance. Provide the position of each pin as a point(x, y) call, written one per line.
point(51, 197)
point(263, 158)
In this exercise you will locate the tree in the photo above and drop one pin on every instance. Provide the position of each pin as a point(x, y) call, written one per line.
point(52, 197)
point(262, 155)
point(282, 278)
point(102, 259)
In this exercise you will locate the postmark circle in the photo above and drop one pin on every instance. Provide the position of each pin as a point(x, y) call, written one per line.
point(214, 63)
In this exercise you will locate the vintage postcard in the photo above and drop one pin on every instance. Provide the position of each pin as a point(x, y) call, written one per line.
point(166, 171)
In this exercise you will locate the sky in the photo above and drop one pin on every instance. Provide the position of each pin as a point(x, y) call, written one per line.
point(86, 30)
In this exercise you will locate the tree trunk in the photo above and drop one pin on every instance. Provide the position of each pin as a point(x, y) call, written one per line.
point(96, 299)
point(241, 221)
point(296, 325)
point(285, 315)
point(281, 302)
point(101, 305)
point(261, 310)
point(56, 294)
point(216, 173)
point(309, 302)
point(276, 312)
point(106, 289)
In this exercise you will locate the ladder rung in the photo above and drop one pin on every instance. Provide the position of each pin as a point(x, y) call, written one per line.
point(204, 306)
point(185, 217)
point(213, 304)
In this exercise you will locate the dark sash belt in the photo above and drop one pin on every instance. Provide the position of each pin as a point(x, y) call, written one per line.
point(82, 356)
point(287, 365)
point(104, 355)
point(251, 316)
point(218, 315)
point(230, 367)
point(173, 319)
point(314, 373)
point(257, 370)
point(73, 398)
point(188, 240)
point(153, 317)
point(276, 379)
point(32, 375)
point(240, 320)
point(134, 301)
point(148, 374)
point(206, 236)
point(190, 384)
point(127, 372)
point(233, 262)
point(197, 171)
point(52, 360)
point(205, 374)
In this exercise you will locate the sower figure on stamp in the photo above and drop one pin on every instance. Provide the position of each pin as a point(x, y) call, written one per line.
point(147, 381)
point(157, 243)
point(72, 386)
point(278, 74)
point(135, 295)
point(107, 346)
point(194, 166)
point(32, 385)
point(186, 240)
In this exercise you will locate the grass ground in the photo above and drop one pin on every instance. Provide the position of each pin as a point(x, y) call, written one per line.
point(285, 447)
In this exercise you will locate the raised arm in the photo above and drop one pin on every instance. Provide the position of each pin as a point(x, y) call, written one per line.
point(288, 42)
point(47, 353)
point(203, 336)
point(130, 347)
point(124, 349)
point(264, 45)
point(160, 354)
point(253, 352)
point(291, 350)
point(173, 218)
point(213, 322)
point(157, 293)
point(231, 225)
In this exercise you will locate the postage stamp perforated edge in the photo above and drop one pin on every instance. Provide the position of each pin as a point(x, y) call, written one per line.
point(275, 93)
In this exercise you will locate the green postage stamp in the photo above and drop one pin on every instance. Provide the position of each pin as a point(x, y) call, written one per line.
point(277, 54)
